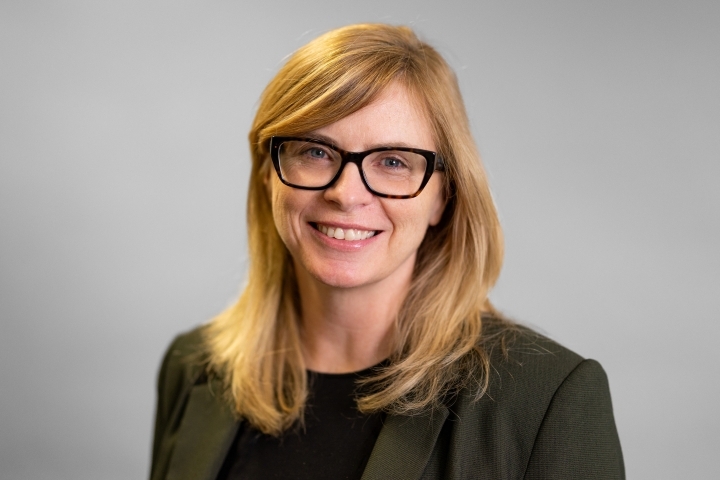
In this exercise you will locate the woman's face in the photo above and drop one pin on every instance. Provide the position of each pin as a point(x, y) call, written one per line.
point(399, 225)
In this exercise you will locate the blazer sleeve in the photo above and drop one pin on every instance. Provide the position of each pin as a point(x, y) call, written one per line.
point(174, 380)
point(164, 403)
point(577, 437)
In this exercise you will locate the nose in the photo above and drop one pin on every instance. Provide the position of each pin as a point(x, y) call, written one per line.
point(349, 190)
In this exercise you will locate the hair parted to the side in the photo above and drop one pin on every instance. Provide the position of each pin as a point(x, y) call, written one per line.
point(440, 344)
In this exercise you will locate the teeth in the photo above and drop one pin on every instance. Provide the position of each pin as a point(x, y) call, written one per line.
point(345, 233)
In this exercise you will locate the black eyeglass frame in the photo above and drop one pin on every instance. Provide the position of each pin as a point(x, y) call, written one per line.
point(433, 163)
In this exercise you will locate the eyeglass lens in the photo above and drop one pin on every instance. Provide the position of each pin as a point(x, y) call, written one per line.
point(391, 172)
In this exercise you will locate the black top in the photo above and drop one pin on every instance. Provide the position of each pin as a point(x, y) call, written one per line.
point(335, 443)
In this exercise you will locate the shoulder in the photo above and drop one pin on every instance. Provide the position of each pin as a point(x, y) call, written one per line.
point(529, 361)
point(185, 349)
point(526, 369)
point(183, 362)
point(182, 367)
point(546, 409)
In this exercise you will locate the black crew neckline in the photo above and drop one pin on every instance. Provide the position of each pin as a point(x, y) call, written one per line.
point(360, 373)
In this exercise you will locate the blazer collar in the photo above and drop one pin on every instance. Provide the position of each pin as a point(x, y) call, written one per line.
point(208, 429)
point(404, 445)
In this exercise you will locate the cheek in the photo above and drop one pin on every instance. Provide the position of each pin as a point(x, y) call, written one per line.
point(411, 223)
point(282, 213)
point(287, 207)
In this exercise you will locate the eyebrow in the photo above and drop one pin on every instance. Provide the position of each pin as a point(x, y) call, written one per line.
point(330, 141)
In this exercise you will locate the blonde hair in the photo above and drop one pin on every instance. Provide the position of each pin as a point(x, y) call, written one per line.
point(440, 344)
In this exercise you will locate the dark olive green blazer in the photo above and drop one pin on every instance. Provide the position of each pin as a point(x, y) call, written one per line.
point(547, 415)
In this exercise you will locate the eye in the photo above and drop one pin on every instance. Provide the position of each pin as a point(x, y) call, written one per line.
point(393, 163)
point(316, 152)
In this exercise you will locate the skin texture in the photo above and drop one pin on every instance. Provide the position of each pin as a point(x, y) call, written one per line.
point(351, 290)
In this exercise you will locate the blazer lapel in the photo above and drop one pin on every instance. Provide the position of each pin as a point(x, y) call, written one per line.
point(404, 446)
point(207, 430)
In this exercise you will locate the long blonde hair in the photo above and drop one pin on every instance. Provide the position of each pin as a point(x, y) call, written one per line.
point(440, 344)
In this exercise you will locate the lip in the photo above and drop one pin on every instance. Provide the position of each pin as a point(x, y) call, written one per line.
point(344, 226)
point(343, 245)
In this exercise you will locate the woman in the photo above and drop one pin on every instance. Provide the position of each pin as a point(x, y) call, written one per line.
point(364, 344)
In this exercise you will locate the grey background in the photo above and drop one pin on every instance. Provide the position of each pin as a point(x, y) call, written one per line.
point(123, 176)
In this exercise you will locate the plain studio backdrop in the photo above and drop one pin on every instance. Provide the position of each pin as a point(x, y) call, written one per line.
point(124, 169)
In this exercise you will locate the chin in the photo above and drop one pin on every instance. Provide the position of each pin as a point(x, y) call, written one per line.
point(333, 275)
point(342, 280)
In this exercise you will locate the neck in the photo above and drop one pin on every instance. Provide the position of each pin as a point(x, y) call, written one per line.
point(349, 329)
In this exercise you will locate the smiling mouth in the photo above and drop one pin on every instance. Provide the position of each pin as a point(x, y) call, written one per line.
point(344, 233)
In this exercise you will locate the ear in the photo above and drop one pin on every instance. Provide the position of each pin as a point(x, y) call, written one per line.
point(438, 207)
point(268, 180)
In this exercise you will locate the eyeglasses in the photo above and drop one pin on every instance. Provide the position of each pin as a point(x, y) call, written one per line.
point(389, 172)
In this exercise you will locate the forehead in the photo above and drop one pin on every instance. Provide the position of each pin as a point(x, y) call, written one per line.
point(393, 118)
